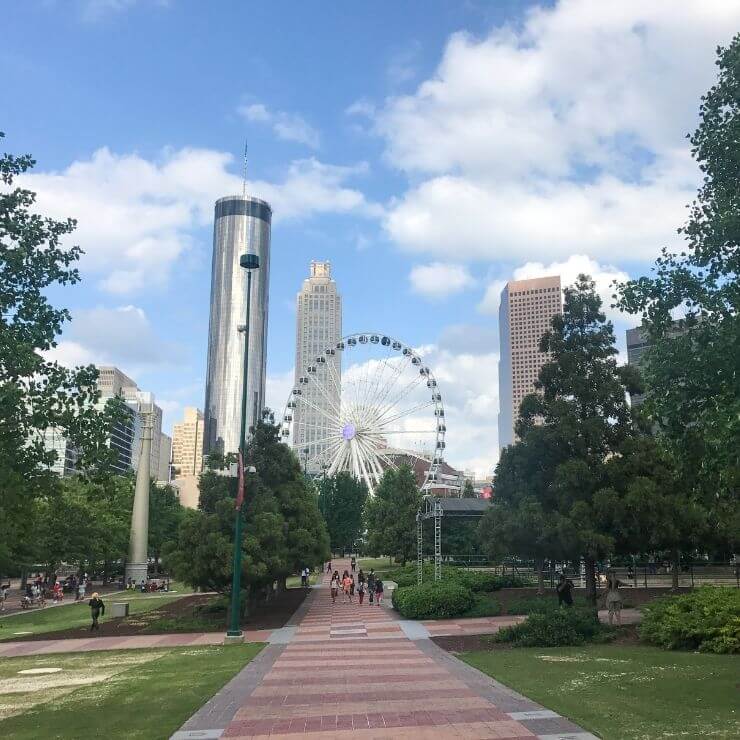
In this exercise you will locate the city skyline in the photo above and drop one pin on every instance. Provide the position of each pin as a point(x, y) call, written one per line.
point(461, 148)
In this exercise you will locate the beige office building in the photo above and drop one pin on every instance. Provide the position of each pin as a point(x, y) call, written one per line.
point(318, 328)
point(187, 444)
point(527, 307)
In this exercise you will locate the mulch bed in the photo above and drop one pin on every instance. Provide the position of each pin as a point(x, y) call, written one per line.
point(268, 616)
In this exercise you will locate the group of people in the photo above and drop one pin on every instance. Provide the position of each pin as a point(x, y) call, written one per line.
point(370, 585)
point(148, 586)
point(612, 596)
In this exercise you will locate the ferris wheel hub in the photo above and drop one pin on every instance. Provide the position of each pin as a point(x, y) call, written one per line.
point(348, 431)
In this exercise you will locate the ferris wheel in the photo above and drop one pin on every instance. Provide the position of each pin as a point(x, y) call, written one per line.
point(362, 404)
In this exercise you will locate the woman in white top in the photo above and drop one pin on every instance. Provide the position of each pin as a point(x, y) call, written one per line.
point(334, 587)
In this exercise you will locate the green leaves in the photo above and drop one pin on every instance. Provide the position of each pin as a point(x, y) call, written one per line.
point(390, 515)
point(35, 393)
point(342, 502)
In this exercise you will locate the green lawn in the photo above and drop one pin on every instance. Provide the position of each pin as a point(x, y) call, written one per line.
point(378, 564)
point(295, 581)
point(113, 694)
point(625, 693)
point(66, 616)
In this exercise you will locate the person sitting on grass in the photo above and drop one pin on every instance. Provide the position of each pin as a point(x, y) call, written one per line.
point(97, 607)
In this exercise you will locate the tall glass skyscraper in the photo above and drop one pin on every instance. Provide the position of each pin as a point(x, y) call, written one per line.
point(241, 224)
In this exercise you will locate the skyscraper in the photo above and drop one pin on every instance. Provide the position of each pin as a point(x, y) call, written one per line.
point(527, 307)
point(187, 444)
point(126, 436)
point(318, 328)
point(241, 224)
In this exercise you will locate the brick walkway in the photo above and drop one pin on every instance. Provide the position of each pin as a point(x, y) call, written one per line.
point(351, 671)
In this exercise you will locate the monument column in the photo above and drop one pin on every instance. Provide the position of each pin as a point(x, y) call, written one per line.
point(136, 565)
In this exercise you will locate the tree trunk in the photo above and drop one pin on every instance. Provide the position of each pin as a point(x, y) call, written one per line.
point(676, 557)
point(590, 564)
point(539, 563)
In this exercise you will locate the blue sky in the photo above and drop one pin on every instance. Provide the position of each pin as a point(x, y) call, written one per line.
point(430, 150)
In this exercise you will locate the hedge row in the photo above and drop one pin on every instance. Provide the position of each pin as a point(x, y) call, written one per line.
point(475, 580)
point(572, 626)
point(707, 619)
point(442, 600)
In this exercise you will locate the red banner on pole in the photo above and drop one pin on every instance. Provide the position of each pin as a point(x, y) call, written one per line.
point(240, 485)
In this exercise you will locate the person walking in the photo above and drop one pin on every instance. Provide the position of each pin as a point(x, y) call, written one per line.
point(378, 591)
point(564, 590)
point(303, 577)
point(352, 586)
point(81, 589)
point(4, 588)
point(353, 563)
point(346, 583)
point(97, 607)
point(360, 576)
point(361, 591)
point(613, 597)
point(328, 567)
point(371, 585)
point(334, 587)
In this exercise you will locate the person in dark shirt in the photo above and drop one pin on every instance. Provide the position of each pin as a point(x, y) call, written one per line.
point(564, 590)
point(97, 607)
point(378, 591)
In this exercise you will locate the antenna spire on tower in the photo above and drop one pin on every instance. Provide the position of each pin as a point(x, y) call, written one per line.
point(244, 180)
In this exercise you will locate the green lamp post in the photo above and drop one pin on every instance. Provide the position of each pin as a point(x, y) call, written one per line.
point(234, 634)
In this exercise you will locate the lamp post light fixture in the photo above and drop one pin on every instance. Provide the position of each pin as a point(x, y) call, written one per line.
point(234, 634)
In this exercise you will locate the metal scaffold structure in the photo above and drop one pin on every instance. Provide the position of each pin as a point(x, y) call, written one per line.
point(437, 508)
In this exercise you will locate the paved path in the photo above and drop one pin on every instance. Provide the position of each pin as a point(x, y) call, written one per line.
point(350, 671)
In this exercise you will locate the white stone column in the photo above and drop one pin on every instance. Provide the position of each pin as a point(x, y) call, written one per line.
point(136, 565)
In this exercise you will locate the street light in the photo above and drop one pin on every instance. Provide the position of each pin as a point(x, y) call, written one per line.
point(234, 634)
point(306, 450)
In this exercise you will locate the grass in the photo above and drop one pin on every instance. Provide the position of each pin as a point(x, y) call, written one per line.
point(72, 615)
point(114, 694)
point(380, 565)
point(625, 693)
point(295, 581)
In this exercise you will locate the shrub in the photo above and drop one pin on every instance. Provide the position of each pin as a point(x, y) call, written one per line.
point(441, 600)
point(707, 619)
point(484, 605)
point(553, 628)
point(475, 580)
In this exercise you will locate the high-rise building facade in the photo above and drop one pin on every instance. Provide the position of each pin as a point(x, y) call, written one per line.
point(318, 328)
point(241, 225)
point(187, 444)
point(165, 458)
point(526, 310)
point(125, 436)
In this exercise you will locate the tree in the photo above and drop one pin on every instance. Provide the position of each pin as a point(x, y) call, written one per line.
point(390, 515)
point(165, 515)
point(691, 369)
point(524, 520)
point(582, 406)
point(36, 393)
point(647, 507)
point(467, 490)
point(283, 529)
point(342, 502)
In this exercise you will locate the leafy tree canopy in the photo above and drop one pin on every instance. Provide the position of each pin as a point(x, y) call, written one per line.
point(342, 502)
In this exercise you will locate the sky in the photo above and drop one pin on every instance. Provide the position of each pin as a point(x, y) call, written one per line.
point(429, 150)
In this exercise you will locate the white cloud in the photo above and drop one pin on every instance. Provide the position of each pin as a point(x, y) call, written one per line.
point(277, 390)
point(287, 126)
point(439, 279)
point(564, 134)
point(568, 270)
point(136, 216)
point(122, 336)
